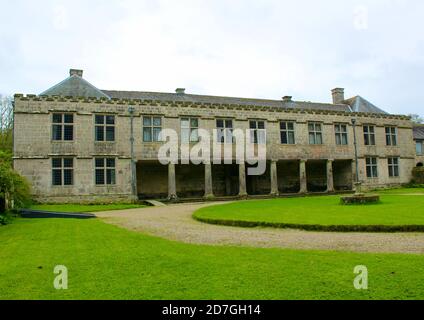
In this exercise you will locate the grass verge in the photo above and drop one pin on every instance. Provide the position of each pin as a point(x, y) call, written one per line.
point(395, 213)
point(107, 262)
point(81, 208)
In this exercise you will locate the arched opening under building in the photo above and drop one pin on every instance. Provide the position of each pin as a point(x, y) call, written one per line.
point(288, 176)
point(152, 180)
point(258, 185)
point(190, 180)
point(225, 180)
point(316, 175)
point(342, 175)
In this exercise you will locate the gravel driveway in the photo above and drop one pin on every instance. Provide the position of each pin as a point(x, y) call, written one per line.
point(174, 222)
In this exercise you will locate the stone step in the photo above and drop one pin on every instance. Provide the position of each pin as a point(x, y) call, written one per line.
point(155, 203)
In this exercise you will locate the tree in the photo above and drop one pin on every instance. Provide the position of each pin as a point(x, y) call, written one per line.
point(13, 187)
point(416, 118)
point(6, 123)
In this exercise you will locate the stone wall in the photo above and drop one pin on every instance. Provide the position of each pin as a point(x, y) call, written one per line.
point(33, 146)
point(419, 159)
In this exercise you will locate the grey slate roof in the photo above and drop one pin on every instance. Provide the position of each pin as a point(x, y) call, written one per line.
point(359, 104)
point(419, 132)
point(75, 86)
point(162, 96)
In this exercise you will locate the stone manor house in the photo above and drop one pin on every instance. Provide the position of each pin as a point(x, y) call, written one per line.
point(73, 143)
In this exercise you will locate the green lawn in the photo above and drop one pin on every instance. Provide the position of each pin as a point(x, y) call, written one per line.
point(84, 208)
point(393, 210)
point(107, 262)
point(403, 191)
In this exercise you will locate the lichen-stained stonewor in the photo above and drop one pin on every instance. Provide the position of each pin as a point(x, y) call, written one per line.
point(73, 143)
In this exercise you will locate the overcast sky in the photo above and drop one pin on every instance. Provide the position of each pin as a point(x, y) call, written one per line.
point(262, 48)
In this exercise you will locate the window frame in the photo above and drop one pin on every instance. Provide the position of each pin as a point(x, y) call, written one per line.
point(191, 129)
point(391, 138)
point(151, 127)
point(315, 133)
point(421, 144)
point(340, 134)
point(62, 169)
point(257, 135)
point(369, 137)
point(393, 165)
point(370, 166)
point(225, 132)
point(105, 126)
point(105, 168)
point(63, 125)
point(288, 132)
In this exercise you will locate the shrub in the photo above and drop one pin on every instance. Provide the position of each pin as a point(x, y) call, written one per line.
point(313, 227)
point(5, 158)
point(13, 186)
point(5, 218)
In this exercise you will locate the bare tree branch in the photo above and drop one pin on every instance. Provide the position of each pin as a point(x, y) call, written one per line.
point(416, 118)
point(6, 122)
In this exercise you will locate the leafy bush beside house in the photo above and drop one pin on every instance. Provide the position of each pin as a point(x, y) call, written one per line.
point(14, 189)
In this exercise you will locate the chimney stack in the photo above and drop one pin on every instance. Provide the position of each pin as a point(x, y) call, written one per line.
point(180, 91)
point(287, 98)
point(338, 95)
point(75, 72)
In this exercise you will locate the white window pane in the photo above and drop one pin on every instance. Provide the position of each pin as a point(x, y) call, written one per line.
point(220, 135)
point(290, 126)
point(419, 147)
point(194, 137)
point(338, 140)
point(261, 137)
point(185, 135)
point(291, 137)
point(157, 122)
point(311, 138)
point(229, 135)
point(252, 136)
point(156, 133)
point(185, 123)
point(147, 135)
point(147, 121)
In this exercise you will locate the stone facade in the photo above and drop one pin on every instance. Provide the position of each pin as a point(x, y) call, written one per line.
point(419, 143)
point(301, 167)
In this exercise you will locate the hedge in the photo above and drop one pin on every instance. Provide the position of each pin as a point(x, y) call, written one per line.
point(311, 227)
